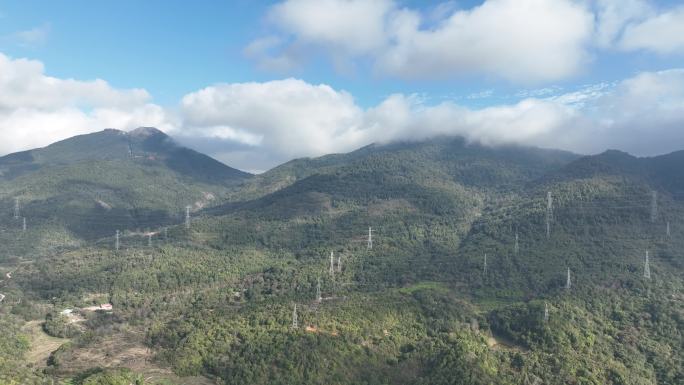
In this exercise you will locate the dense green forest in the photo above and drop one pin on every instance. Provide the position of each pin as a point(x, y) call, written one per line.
point(463, 283)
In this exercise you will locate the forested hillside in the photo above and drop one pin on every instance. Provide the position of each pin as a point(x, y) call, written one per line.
point(470, 274)
point(88, 186)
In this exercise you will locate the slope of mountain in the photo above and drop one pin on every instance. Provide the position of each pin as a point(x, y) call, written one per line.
point(92, 184)
point(449, 159)
point(436, 209)
point(144, 143)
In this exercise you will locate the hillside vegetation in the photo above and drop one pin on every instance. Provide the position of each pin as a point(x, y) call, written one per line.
point(87, 187)
point(215, 301)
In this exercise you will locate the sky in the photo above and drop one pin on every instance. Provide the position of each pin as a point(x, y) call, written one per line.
point(257, 83)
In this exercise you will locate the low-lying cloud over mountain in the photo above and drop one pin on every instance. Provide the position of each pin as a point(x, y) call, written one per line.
point(288, 118)
point(254, 126)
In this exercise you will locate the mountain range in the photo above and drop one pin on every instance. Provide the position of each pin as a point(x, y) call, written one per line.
point(484, 265)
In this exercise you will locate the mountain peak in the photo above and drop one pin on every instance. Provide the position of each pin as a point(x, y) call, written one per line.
point(616, 154)
point(146, 132)
point(145, 146)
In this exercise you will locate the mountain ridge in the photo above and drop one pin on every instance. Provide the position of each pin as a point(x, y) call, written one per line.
point(109, 144)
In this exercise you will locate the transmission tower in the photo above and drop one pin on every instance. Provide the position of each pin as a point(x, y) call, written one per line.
point(116, 242)
point(516, 248)
point(23, 226)
point(647, 268)
point(370, 238)
point(339, 263)
point(484, 269)
point(549, 213)
point(16, 208)
point(568, 283)
point(654, 206)
point(546, 312)
point(149, 240)
point(187, 217)
point(294, 317)
point(319, 297)
point(667, 230)
point(166, 233)
point(331, 268)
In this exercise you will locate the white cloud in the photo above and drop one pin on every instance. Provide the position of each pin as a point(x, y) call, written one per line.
point(355, 26)
point(484, 94)
point(401, 118)
point(583, 97)
point(287, 117)
point(643, 115)
point(518, 40)
point(614, 15)
point(271, 54)
point(662, 33)
point(30, 37)
point(36, 109)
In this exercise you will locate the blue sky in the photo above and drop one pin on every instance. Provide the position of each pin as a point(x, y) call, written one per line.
point(170, 48)
point(335, 74)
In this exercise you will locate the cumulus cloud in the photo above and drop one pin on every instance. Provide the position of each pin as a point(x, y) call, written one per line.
point(36, 109)
point(288, 117)
point(355, 26)
point(402, 118)
point(518, 40)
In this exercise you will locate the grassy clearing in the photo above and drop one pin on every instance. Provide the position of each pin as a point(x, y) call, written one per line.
point(122, 350)
point(41, 343)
